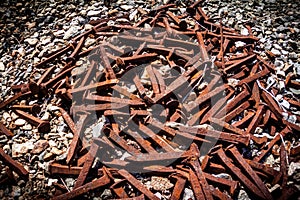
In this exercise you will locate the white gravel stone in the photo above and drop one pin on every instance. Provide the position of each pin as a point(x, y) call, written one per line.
point(48, 156)
point(126, 7)
point(69, 135)
point(158, 194)
point(133, 15)
point(59, 33)
point(3, 139)
point(72, 30)
point(19, 149)
point(6, 148)
point(56, 151)
point(27, 127)
point(223, 175)
point(2, 67)
point(239, 44)
point(280, 73)
point(132, 88)
point(20, 122)
point(89, 42)
point(92, 13)
point(83, 12)
point(51, 181)
point(5, 116)
point(97, 129)
point(243, 195)
point(293, 55)
point(125, 155)
point(276, 46)
point(268, 32)
point(276, 52)
point(293, 167)
point(70, 182)
point(192, 96)
point(239, 16)
point(52, 143)
point(88, 27)
point(284, 52)
point(46, 40)
point(188, 194)
point(46, 116)
point(32, 41)
point(244, 31)
point(40, 146)
point(53, 108)
point(285, 104)
point(16, 191)
point(292, 119)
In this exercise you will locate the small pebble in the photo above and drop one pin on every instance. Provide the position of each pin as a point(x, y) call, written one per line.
point(2, 67)
point(48, 156)
point(92, 13)
point(40, 146)
point(126, 7)
point(27, 127)
point(276, 52)
point(20, 122)
point(188, 194)
point(56, 151)
point(32, 41)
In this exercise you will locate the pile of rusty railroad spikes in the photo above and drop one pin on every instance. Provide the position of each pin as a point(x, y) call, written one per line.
point(236, 73)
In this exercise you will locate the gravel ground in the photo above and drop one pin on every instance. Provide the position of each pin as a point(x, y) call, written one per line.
point(31, 30)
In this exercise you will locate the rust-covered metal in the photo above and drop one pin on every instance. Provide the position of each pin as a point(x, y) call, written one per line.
point(186, 118)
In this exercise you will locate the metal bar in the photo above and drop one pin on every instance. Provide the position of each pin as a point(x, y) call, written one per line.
point(137, 184)
point(87, 165)
point(239, 158)
point(106, 62)
point(56, 168)
point(178, 188)
point(42, 126)
point(5, 131)
point(271, 144)
point(155, 138)
point(198, 192)
point(144, 143)
point(237, 172)
point(241, 108)
point(197, 168)
point(100, 182)
point(14, 165)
